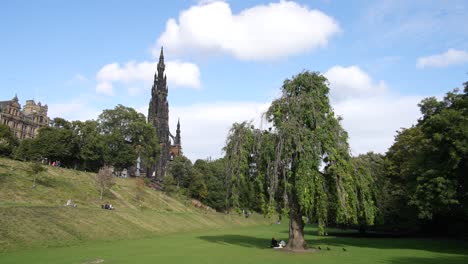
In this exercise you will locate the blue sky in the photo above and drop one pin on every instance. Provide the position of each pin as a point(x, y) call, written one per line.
point(228, 59)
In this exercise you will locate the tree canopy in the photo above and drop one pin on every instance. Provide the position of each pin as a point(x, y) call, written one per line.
point(302, 166)
point(427, 165)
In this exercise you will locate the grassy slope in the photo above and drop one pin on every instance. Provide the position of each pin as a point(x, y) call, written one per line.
point(38, 218)
point(249, 245)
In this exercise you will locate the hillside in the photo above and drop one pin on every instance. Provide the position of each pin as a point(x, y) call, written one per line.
point(37, 217)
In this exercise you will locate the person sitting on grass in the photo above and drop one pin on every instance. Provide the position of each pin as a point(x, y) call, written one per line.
point(282, 244)
point(274, 243)
point(70, 204)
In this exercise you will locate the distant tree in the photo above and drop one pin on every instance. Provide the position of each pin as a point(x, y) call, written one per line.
point(197, 186)
point(170, 185)
point(428, 164)
point(181, 170)
point(127, 135)
point(90, 144)
point(57, 142)
point(104, 180)
point(27, 151)
point(8, 141)
point(239, 146)
point(213, 173)
point(35, 169)
point(371, 189)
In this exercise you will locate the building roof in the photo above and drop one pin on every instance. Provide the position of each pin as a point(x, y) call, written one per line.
point(3, 104)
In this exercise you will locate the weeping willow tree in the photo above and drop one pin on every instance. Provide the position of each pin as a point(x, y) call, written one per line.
point(302, 164)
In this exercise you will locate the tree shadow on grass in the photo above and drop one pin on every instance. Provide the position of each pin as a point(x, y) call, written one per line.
point(240, 240)
point(426, 244)
point(434, 260)
point(381, 240)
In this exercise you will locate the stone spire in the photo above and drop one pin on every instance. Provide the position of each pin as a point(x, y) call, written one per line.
point(158, 116)
point(177, 137)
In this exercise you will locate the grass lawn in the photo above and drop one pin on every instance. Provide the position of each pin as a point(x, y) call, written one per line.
point(248, 245)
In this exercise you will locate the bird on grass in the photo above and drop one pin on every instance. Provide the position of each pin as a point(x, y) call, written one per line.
point(328, 248)
point(344, 249)
point(319, 248)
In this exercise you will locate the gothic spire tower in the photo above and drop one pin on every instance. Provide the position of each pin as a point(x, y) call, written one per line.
point(158, 115)
point(177, 137)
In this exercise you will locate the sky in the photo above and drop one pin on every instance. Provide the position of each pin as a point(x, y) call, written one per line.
point(226, 60)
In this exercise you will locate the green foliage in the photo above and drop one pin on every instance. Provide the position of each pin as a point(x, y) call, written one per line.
point(57, 143)
point(288, 159)
point(127, 136)
point(181, 170)
point(238, 149)
point(117, 138)
point(428, 163)
point(90, 143)
point(25, 151)
point(213, 173)
point(8, 141)
point(368, 176)
point(197, 186)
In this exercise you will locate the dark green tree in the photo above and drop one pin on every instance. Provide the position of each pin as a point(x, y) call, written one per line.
point(8, 141)
point(57, 142)
point(181, 169)
point(429, 163)
point(127, 136)
point(26, 151)
point(213, 173)
point(90, 144)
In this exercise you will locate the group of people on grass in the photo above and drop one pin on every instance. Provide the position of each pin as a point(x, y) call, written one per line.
point(107, 206)
point(276, 244)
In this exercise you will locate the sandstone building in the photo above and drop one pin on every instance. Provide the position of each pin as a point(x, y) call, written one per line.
point(24, 123)
point(158, 116)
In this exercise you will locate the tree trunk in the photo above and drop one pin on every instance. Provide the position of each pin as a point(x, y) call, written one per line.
point(296, 226)
point(102, 191)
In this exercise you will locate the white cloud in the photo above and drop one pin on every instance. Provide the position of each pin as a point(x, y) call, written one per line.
point(372, 122)
point(183, 74)
point(263, 32)
point(134, 91)
point(73, 110)
point(350, 82)
point(105, 88)
point(179, 74)
point(450, 57)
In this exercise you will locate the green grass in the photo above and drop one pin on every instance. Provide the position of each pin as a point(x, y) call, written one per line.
point(36, 217)
point(248, 245)
point(35, 227)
